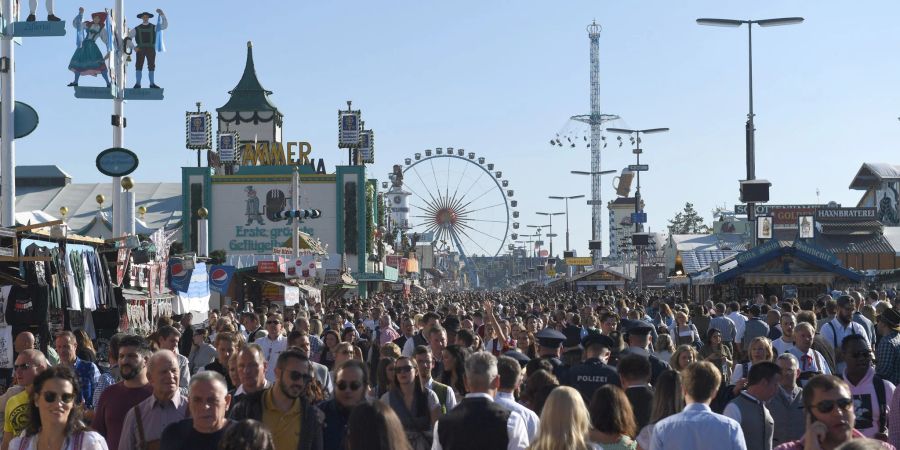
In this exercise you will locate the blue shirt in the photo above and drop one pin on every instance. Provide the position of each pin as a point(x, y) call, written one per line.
point(698, 428)
point(88, 377)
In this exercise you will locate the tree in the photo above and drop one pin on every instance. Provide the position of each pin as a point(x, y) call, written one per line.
point(687, 222)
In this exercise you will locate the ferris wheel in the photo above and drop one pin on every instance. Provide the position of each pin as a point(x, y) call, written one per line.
point(461, 201)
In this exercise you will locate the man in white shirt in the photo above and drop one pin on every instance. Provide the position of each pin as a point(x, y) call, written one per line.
point(510, 372)
point(749, 407)
point(834, 331)
point(464, 427)
point(786, 341)
point(740, 323)
point(273, 344)
point(811, 361)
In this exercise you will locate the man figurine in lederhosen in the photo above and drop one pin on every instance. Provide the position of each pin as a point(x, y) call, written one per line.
point(32, 7)
point(144, 38)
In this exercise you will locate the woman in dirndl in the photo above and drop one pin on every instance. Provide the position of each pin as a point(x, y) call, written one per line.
point(88, 59)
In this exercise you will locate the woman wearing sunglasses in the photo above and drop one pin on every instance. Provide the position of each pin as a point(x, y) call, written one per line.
point(830, 416)
point(55, 420)
point(417, 406)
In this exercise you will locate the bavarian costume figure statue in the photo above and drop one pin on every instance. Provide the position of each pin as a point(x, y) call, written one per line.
point(32, 8)
point(146, 39)
point(88, 59)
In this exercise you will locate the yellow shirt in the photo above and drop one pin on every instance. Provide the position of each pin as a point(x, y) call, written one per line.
point(285, 427)
point(15, 419)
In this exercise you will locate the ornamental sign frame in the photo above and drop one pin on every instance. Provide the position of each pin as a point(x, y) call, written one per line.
point(198, 130)
point(117, 162)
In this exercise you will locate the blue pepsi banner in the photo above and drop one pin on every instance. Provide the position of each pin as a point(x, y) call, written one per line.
point(179, 276)
point(220, 277)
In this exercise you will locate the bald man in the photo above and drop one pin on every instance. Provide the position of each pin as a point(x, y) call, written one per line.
point(166, 406)
point(25, 341)
point(29, 364)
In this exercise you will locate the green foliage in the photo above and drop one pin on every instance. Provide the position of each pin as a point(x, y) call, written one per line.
point(217, 257)
point(688, 222)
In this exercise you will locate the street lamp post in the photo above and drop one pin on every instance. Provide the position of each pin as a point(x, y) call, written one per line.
point(550, 215)
point(566, 198)
point(750, 129)
point(596, 223)
point(637, 194)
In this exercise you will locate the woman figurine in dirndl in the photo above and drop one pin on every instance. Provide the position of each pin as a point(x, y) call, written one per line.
point(88, 59)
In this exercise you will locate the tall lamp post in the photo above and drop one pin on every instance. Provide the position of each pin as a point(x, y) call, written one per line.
point(596, 222)
point(550, 216)
point(566, 198)
point(637, 194)
point(750, 129)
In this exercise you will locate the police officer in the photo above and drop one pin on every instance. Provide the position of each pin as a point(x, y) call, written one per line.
point(594, 372)
point(549, 342)
point(637, 336)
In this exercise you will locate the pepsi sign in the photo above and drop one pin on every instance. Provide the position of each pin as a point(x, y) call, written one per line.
point(220, 278)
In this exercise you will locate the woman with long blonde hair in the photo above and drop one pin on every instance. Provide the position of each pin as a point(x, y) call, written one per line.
point(565, 423)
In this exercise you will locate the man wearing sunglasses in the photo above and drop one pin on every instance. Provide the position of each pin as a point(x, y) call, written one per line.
point(351, 384)
point(273, 344)
point(29, 364)
point(283, 408)
point(870, 392)
point(830, 416)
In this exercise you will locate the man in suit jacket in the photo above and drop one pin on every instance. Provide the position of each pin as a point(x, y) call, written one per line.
point(634, 373)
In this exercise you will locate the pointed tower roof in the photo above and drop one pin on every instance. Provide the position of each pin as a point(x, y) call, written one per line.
point(249, 95)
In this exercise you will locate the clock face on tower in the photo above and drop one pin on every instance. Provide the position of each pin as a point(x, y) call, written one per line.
point(397, 199)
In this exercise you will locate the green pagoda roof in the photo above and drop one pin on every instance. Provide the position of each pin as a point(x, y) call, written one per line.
point(249, 95)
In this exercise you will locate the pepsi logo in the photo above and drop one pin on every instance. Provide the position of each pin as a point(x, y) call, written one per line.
point(219, 275)
point(178, 270)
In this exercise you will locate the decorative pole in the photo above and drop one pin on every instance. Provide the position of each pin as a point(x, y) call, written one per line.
point(128, 219)
point(118, 117)
point(295, 199)
point(202, 232)
point(7, 124)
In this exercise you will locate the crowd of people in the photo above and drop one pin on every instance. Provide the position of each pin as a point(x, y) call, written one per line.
point(535, 369)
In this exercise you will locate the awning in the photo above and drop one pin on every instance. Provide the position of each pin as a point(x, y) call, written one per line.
point(797, 278)
point(280, 292)
point(310, 292)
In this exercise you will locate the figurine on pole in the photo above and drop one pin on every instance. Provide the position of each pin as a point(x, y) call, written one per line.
point(32, 7)
point(87, 59)
point(146, 39)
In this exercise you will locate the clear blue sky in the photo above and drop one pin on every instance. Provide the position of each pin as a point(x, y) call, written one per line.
point(501, 78)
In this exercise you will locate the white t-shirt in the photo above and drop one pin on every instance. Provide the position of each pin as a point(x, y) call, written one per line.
point(90, 440)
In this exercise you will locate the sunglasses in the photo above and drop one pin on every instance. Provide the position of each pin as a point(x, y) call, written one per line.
point(295, 376)
point(826, 406)
point(403, 369)
point(51, 397)
point(353, 385)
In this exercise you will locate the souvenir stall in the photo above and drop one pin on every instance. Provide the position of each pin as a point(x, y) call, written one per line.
point(143, 270)
point(52, 281)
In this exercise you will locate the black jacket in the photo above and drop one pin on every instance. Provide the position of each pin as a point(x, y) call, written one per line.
point(250, 406)
point(641, 398)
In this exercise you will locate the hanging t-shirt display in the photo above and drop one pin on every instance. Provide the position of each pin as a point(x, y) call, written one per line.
point(90, 301)
point(4, 297)
point(6, 347)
